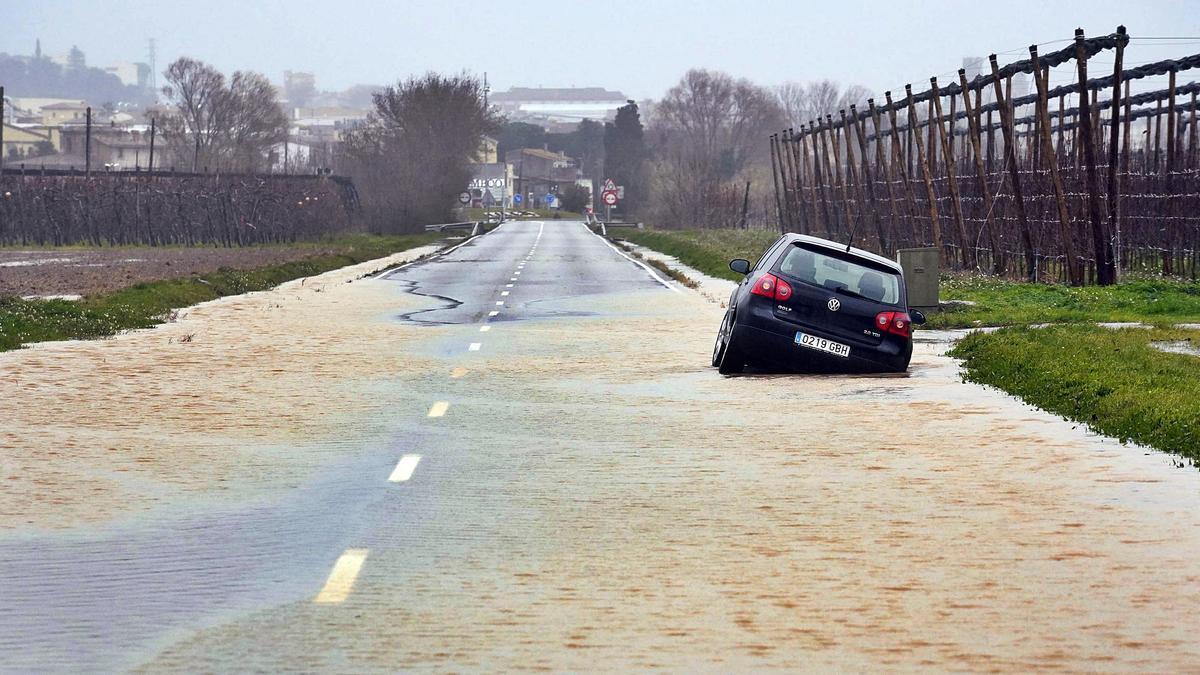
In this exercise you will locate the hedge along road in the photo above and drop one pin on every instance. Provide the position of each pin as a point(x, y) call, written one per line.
point(516, 455)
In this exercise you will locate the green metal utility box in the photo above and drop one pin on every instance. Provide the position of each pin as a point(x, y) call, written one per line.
point(920, 267)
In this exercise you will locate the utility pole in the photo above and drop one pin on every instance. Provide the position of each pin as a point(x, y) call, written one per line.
point(87, 145)
point(1, 131)
point(152, 130)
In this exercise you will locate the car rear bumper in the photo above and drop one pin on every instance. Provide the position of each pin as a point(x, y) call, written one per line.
point(768, 341)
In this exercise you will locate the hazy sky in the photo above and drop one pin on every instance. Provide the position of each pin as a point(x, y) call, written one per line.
point(640, 47)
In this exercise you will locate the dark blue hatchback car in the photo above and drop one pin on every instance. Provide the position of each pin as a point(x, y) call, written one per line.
point(815, 305)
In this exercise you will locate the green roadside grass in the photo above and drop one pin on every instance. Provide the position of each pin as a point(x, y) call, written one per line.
point(1000, 302)
point(708, 251)
point(1114, 381)
point(147, 304)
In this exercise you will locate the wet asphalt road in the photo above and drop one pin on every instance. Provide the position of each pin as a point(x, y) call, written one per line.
point(103, 597)
point(566, 485)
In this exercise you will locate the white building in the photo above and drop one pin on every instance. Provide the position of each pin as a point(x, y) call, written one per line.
point(558, 106)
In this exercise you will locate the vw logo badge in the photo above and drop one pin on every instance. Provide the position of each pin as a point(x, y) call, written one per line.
point(833, 304)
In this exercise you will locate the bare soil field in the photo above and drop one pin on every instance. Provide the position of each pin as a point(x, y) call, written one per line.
point(69, 272)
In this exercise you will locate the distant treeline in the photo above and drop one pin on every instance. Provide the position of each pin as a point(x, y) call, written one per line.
point(41, 77)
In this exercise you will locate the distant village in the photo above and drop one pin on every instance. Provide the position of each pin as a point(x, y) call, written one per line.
point(42, 131)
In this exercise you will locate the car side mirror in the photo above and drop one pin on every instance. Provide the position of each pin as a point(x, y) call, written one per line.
point(916, 317)
point(740, 266)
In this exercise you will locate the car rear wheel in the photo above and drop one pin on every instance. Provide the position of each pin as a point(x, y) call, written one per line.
point(719, 345)
point(732, 360)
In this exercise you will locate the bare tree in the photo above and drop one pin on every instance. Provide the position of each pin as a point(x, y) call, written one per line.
point(217, 126)
point(253, 121)
point(194, 90)
point(707, 133)
point(803, 103)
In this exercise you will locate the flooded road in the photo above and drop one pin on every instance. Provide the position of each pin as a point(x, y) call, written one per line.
point(515, 456)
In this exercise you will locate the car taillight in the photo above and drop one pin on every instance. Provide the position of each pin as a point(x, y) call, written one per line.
point(896, 323)
point(771, 286)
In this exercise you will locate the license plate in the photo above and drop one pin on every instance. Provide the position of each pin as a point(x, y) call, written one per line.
point(823, 345)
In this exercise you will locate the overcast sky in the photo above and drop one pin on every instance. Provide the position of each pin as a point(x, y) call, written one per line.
point(640, 47)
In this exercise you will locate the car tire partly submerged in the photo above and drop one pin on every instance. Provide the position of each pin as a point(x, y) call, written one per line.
point(732, 360)
point(719, 343)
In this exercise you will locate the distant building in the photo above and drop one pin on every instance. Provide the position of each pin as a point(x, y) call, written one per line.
point(130, 74)
point(113, 149)
point(57, 114)
point(541, 172)
point(559, 106)
point(22, 142)
point(28, 110)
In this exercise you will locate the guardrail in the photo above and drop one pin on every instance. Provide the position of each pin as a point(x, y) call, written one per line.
point(475, 226)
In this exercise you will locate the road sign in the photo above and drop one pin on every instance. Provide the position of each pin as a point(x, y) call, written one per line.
point(620, 192)
point(464, 198)
point(609, 197)
point(550, 199)
point(609, 186)
point(517, 199)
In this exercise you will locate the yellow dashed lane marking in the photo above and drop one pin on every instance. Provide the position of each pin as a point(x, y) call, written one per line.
point(341, 579)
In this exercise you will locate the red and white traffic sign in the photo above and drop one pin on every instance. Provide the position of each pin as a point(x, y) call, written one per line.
point(609, 197)
point(609, 186)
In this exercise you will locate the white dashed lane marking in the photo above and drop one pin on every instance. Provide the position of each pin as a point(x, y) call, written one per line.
point(341, 579)
point(503, 293)
point(484, 329)
point(438, 409)
point(493, 313)
point(404, 468)
point(499, 303)
point(475, 346)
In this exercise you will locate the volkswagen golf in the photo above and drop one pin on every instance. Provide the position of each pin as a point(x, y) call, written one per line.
point(815, 305)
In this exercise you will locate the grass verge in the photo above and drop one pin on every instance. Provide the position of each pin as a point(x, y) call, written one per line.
point(1114, 381)
point(999, 302)
point(708, 251)
point(146, 304)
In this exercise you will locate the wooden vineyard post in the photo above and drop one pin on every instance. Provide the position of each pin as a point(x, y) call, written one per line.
point(886, 166)
point(981, 174)
point(819, 176)
point(842, 188)
point(866, 179)
point(1114, 139)
point(901, 161)
point(968, 259)
point(791, 181)
point(1014, 172)
point(935, 227)
point(1074, 275)
point(775, 178)
point(1101, 244)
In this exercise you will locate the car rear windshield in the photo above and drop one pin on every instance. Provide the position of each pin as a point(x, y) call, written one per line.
point(822, 268)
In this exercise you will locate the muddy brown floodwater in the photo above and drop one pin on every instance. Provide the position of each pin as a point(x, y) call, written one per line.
point(94, 429)
point(598, 496)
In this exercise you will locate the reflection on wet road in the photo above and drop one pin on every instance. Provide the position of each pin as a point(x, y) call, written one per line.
point(529, 465)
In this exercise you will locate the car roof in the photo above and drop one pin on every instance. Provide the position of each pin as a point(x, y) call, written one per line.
point(837, 246)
